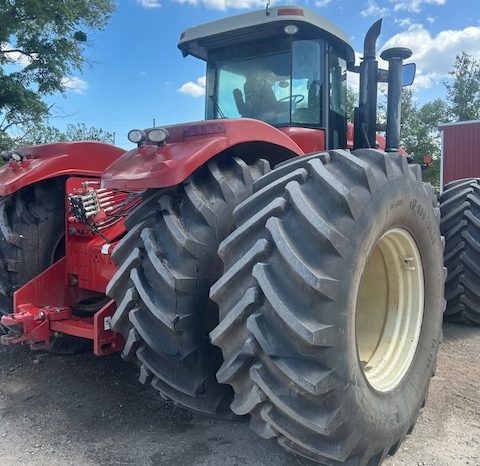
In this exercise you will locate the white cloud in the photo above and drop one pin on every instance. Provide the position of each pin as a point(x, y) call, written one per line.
point(403, 22)
point(75, 84)
point(353, 79)
point(149, 3)
point(322, 3)
point(435, 54)
point(414, 6)
point(225, 4)
point(194, 89)
point(372, 8)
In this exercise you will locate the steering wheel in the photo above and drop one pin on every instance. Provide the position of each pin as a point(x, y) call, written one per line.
point(295, 98)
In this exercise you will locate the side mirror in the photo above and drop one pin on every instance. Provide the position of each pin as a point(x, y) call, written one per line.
point(408, 74)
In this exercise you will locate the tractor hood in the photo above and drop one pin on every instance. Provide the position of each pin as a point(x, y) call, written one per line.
point(188, 147)
point(37, 163)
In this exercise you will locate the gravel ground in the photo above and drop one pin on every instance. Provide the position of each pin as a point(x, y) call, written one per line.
point(83, 410)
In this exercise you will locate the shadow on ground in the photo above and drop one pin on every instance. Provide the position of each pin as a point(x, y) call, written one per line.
point(84, 410)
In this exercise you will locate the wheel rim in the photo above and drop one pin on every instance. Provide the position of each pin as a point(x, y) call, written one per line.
point(389, 309)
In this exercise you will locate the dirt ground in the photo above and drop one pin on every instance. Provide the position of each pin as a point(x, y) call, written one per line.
point(83, 410)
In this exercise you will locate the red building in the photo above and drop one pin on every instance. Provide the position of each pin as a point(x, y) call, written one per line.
point(460, 151)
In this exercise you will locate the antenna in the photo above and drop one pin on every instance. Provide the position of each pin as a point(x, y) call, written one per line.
point(267, 12)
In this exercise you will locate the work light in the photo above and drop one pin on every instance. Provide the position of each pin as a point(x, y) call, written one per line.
point(157, 135)
point(136, 136)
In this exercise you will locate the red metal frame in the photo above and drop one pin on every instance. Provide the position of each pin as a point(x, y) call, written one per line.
point(381, 141)
point(43, 306)
point(37, 325)
point(46, 161)
point(190, 146)
point(89, 264)
point(308, 139)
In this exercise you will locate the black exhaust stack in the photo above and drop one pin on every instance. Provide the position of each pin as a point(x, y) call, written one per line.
point(366, 112)
point(395, 57)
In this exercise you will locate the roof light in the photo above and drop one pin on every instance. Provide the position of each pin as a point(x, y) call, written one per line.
point(290, 12)
point(157, 135)
point(290, 29)
point(136, 136)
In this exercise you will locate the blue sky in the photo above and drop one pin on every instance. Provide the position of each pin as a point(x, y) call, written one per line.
point(137, 72)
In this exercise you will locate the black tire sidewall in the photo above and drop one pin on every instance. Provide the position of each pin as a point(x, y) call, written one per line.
point(48, 229)
point(36, 217)
point(385, 416)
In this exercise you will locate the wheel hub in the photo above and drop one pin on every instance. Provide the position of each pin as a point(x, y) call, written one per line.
point(389, 311)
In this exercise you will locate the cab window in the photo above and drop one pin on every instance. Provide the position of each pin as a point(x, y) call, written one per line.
point(279, 83)
point(337, 98)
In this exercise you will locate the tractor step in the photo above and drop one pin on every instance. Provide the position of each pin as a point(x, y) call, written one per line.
point(38, 325)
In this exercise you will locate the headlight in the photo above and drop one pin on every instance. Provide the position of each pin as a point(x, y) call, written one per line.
point(136, 136)
point(17, 157)
point(157, 135)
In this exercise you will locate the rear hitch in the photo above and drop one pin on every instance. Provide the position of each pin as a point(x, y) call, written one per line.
point(37, 325)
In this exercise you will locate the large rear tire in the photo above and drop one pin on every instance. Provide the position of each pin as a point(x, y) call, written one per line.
point(460, 206)
point(167, 263)
point(331, 304)
point(32, 226)
point(32, 234)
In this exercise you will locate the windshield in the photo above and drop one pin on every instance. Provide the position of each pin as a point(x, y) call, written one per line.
point(280, 84)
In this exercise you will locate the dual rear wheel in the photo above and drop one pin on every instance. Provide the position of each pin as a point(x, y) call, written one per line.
point(325, 316)
point(329, 304)
point(460, 205)
point(167, 263)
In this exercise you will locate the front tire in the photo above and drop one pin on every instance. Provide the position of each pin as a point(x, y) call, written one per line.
point(329, 256)
point(167, 263)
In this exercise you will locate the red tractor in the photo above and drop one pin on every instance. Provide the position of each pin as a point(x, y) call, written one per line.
point(271, 261)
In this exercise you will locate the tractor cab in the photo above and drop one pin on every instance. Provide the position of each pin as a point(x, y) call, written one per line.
point(285, 66)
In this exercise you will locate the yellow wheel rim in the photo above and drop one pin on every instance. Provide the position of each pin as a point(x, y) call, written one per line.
point(389, 309)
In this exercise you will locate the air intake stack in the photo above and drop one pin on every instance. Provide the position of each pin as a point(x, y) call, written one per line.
point(395, 57)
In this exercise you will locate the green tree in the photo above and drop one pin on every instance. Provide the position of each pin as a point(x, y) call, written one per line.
point(419, 132)
point(80, 132)
point(463, 93)
point(41, 44)
point(42, 134)
point(73, 132)
point(350, 103)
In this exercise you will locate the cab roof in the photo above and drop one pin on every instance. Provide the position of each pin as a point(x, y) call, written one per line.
point(262, 25)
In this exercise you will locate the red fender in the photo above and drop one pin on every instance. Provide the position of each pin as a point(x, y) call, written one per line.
point(190, 145)
point(86, 158)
